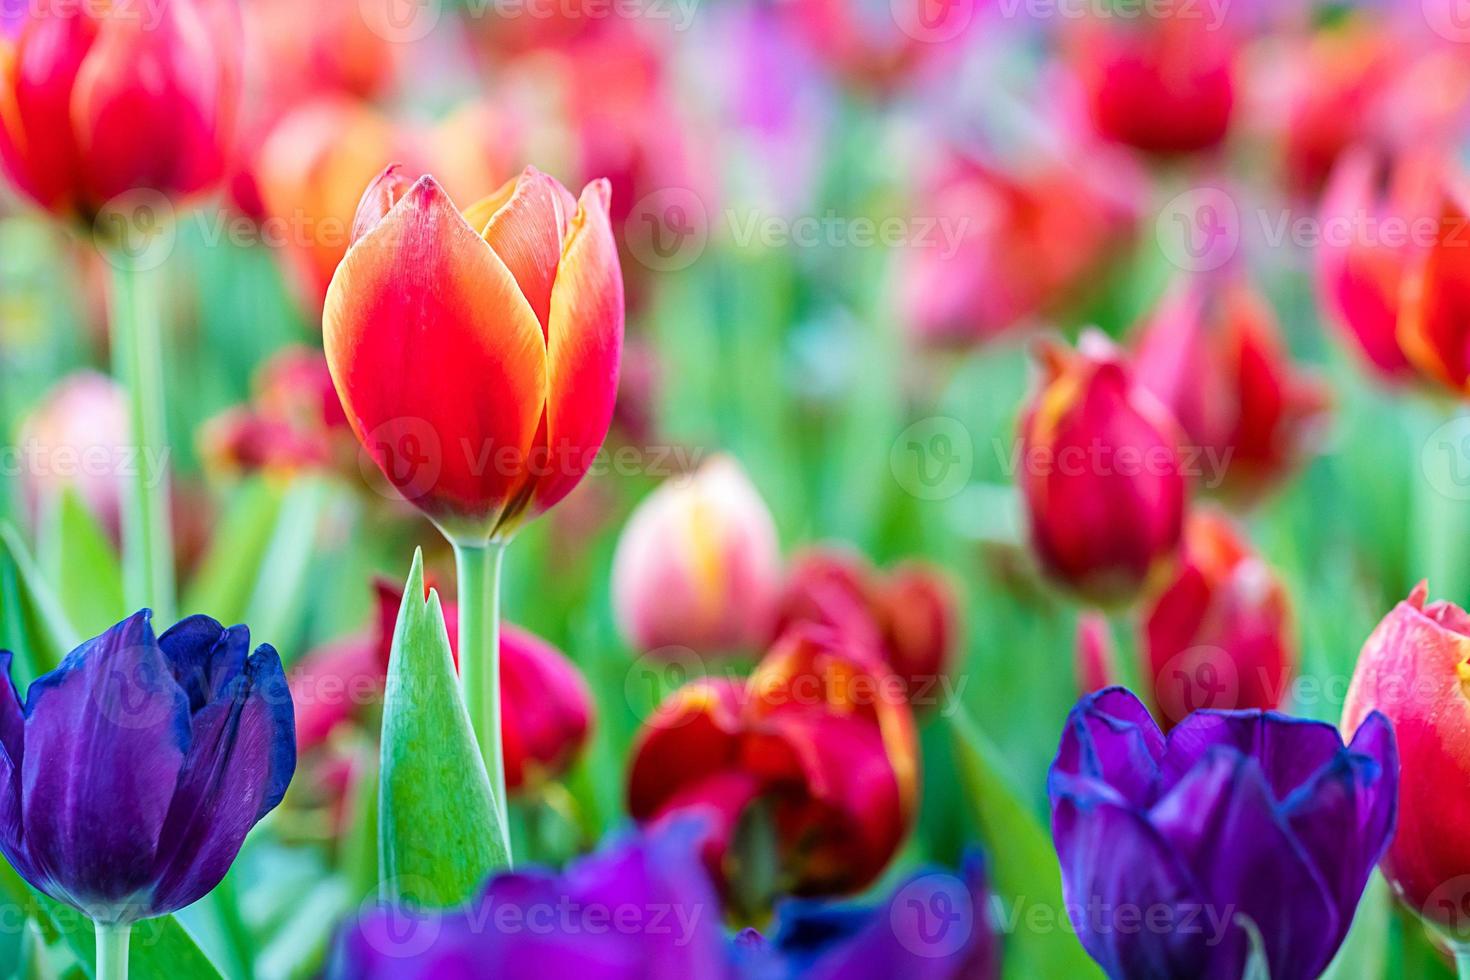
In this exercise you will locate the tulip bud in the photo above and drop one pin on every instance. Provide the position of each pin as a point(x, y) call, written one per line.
point(1414, 669)
point(907, 617)
point(698, 564)
point(97, 100)
point(135, 769)
point(1097, 661)
point(78, 437)
point(819, 739)
point(1265, 826)
point(1360, 268)
point(1220, 635)
point(1434, 305)
point(1163, 84)
point(1101, 476)
point(476, 354)
point(1212, 354)
point(294, 420)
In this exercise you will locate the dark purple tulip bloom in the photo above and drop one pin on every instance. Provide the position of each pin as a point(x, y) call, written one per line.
point(135, 769)
point(642, 908)
point(1173, 849)
point(934, 926)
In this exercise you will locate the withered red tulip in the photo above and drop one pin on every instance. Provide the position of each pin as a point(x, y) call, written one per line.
point(1414, 669)
point(1162, 84)
point(1371, 235)
point(1100, 473)
point(1220, 635)
point(1212, 354)
point(476, 353)
point(818, 740)
point(908, 616)
point(546, 706)
point(698, 564)
point(97, 100)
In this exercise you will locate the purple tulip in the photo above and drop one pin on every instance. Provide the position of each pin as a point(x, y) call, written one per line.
point(135, 769)
point(641, 908)
point(1241, 829)
point(934, 926)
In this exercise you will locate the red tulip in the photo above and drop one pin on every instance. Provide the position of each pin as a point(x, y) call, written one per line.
point(698, 564)
point(1212, 354)
point(1369, 240)
point(1414, 669)
point(1220, 635)
point(476, 354)
point(1434, 304)
point(547, 708)
point(1027, 241)
point(1100, 473)
point(819, 738)
point(95, 102)
point(908, 617)
point(1097, 661)
point(1161, 84)
point(294, 421)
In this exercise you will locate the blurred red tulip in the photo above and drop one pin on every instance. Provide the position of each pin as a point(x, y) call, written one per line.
point(1211, 352)
point(1434, 304)
point(1027, 242)
point(698, 564)
point(819, 738)
point(1414, 669)
point(294, 421)
point(98, 99)
point(1369, 238)
point(875, 47)
point(908, 617)
point(476, 354)
point(1220, 635)
point(1161, 83)
point(1100, 473)
point(547, 708)
point(1097, 660)
point(78, 437)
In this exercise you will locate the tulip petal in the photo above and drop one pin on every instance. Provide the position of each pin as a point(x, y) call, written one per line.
point(1223, 823)
point(692, 735)
point(1344, 817)
point(242, 758)
point(204, 656)
point(438, 359)
point(37, 144)
point(107, 731)
point(527, 232)
point(1289, 750)
point(1110, 740)
point(584, 344)
point(12, 746)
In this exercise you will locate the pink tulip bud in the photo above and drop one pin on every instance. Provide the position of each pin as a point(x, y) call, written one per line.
point(79, 437)
point(1097, 661)
point(698, 564)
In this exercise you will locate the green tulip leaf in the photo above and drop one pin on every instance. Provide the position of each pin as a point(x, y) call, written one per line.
point(438, 832)
point(1039, 941)
point(81, 562)
point(33, 623)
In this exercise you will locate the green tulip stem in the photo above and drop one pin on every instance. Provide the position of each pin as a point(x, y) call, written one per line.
point(112, 951)
point(137, 362)
point(478, 566)
point(1462, 959)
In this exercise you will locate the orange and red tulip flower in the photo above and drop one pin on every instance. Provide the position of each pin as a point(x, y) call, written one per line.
point(476, 352)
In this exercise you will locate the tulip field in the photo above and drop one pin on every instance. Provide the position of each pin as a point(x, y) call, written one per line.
point(734, 489)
